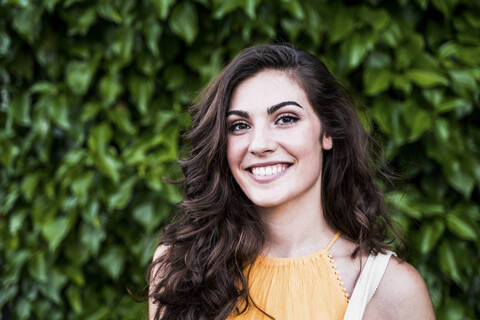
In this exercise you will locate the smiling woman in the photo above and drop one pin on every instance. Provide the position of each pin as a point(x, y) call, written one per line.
point(281, 217)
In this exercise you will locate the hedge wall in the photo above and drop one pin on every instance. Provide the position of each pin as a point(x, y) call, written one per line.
point(93, 102)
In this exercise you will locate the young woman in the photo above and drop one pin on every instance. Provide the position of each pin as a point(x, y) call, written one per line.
point(281, 217)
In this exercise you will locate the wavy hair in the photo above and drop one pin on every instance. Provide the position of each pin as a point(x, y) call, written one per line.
point(218, 234)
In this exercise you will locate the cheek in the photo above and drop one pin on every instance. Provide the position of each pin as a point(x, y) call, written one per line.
point(234, 151)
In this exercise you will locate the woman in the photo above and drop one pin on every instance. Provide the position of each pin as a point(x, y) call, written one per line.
point(280, 204)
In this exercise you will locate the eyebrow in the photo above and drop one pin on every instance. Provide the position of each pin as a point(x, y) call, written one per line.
point(270, 110)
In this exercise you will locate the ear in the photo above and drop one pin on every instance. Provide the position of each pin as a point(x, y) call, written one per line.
point(327, 142)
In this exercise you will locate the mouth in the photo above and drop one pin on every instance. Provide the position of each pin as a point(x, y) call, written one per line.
point(268, 173)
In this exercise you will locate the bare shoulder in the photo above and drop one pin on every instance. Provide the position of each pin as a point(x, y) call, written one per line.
point(161, 249)
point(401, 294)
point(155, 277)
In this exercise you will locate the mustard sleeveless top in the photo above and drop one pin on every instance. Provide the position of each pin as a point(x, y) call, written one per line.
point(307, 287)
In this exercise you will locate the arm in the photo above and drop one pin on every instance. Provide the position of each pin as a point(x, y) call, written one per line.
point(152, 308)
point(402, 294)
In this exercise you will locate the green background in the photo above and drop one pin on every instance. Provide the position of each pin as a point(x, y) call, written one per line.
point(93, 100)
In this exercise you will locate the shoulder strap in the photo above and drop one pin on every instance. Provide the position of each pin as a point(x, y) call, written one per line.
point(366, 285)
point(332, 241)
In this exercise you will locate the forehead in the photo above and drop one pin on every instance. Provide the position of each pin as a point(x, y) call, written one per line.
point(267, 88)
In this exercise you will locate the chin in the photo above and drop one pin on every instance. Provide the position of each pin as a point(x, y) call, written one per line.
point(267, 202)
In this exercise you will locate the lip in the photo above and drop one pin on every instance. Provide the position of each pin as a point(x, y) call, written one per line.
point(267, 179)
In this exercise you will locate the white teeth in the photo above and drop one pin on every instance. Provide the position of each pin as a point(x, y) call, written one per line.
point(270, 170)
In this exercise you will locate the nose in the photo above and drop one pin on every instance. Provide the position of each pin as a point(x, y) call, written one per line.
point(262, 142)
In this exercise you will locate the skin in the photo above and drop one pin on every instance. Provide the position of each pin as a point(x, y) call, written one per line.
point(291, 204)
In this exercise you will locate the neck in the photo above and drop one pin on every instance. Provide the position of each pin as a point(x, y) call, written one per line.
point(296, 228)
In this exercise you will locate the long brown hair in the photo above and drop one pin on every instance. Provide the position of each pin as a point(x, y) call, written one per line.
point(217, 233)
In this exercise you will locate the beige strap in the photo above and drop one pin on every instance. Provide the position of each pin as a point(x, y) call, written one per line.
point(367, 284)
point(333, 241)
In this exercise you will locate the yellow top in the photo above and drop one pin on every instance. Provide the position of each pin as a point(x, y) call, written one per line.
point(306, 287)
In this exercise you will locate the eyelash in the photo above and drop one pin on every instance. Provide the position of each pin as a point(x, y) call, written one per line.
point(293, 118)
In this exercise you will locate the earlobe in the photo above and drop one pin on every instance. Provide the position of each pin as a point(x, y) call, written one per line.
point(327, 143)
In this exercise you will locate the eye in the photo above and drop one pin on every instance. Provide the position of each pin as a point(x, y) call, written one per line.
point(287, 119)
point(238, 126)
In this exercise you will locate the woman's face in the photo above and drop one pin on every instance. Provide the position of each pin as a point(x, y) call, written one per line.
point(274, 149)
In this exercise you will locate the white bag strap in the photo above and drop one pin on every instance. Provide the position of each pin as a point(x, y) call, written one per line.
point(366, 285)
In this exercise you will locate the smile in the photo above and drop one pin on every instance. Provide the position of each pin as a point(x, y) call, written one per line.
point(268, 173)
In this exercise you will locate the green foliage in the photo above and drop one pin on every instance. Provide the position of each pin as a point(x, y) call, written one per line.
point(93, 101)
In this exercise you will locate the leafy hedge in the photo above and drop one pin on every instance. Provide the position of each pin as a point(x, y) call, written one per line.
point(93, 103)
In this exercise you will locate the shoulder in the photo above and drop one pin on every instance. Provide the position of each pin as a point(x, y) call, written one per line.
point(159, 251)
point(154, 278)
point(401, 294)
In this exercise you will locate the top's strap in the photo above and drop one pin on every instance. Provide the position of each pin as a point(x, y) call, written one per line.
point(333, 240)
point(367, 284)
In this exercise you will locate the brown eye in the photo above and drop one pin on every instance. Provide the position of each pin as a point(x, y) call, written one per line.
point(287, 119)
point(237, 126)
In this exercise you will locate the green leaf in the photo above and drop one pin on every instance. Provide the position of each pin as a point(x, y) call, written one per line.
point(17, 220)
point(121, 117)
point(417, 119)
point(38, 267)
point(445, 6)
point(141, 89)
point(401, 201)
point(451, 104)
point(294, 7)
point(23, 309)
point(152, 33)
point(378, 19)
point(461, 227)
point(81, 185)
point(109, 164)
point(184, 21)
point(75, 274)
point(44, 87)
point(356, 47)
point(447, 261)
point(452, 310)
point(74, 296)
point(20, 108)
point(52, 288)
point(29, 183)
point(99, 138)
point(342, 24)
point(107, 10)
point(110, 88)
point(163, 7)
point(425, 78)
point(120, 199)
point(54, 232)
point(227, 7)
point(430, 233)
point(91, 238)
point(459, 178)
point(26, 22)
point(402, 83)
point(376, 80)
point(79, 75)
point(58, 111)
point(113, 261)
point(80, 20)
point(174, 76)
point(121, 46)
point(146, 215)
